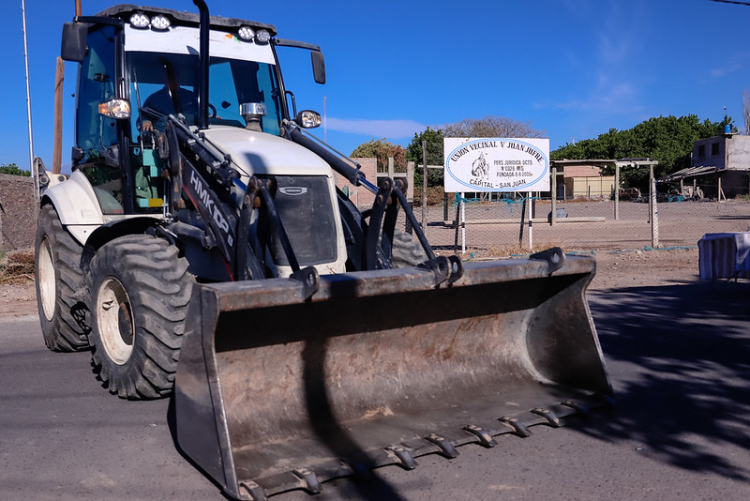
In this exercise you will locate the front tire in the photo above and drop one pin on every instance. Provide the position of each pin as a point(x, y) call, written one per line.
point(140, 291)
point(59, 285)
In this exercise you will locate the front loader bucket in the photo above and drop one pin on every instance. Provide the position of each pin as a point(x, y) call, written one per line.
point(274, 393)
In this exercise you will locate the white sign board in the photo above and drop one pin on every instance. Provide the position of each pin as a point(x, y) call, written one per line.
point(495, 164)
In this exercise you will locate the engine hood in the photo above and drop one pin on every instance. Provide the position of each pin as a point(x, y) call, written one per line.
point(264, 154)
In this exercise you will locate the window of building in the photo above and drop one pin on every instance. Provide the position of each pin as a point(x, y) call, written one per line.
point(714, 149)
point(702, 151)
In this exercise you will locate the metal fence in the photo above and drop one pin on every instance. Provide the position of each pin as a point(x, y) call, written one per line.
point(503, 226)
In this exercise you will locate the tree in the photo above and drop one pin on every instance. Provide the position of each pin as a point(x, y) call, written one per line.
point(382, 150)
point(414, 153)
point(666, 139)
point(13, 170)
point(491, 126)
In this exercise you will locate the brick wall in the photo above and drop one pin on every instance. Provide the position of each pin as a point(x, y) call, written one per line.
point(361, 197)
point(18, 214)
point(582, 171)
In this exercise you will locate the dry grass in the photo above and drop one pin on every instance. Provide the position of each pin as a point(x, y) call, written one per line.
point(434, 196)
point(17, 267)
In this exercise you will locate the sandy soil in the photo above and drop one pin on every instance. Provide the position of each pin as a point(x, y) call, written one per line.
point(614, 270)
point(17, 300)
point(645, 268)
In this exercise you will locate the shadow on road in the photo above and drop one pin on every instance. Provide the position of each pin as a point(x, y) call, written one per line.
point(679, 357)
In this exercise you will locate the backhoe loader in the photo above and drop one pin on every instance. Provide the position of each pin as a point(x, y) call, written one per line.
point(200, 248)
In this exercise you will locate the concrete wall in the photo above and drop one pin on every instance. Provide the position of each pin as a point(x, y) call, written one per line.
point(728, 151)
point(581, 171)
point(738, 152)
point(589, 186)
point(18, 214)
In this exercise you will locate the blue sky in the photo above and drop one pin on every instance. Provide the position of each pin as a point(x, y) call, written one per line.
point(573, 68)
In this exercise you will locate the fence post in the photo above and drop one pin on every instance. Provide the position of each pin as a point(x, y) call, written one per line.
point(553, 192)
point(463, 223)
point(523, 222)
point(410, 193)
point(531, 223)
point(424, 183)
point(617, 191)
point(650, 193)
point(654, 214)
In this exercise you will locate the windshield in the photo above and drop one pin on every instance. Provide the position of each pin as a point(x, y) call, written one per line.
point(167, 83)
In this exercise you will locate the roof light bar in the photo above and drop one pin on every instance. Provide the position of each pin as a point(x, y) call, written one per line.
point(160, 23)
point(262, 37)
point(139, 20)
point(246, 33)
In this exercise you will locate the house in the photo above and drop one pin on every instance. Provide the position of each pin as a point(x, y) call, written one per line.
point(721, 167)
point(583, 178)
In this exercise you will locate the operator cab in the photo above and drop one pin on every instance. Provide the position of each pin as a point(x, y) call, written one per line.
point(141, 64)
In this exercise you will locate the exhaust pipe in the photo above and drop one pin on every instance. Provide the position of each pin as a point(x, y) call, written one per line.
point(205, 20)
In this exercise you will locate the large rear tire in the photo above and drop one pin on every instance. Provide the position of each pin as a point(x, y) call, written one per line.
point(140, 291)
point(59, 285)
point(407, 251)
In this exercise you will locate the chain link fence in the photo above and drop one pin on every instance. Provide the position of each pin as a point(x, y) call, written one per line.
point(505, 226)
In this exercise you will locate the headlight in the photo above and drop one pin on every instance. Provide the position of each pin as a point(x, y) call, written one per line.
point(308, 119)
point(115, 108)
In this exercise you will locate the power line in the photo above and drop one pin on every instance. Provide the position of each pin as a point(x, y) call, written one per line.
point(733, 2)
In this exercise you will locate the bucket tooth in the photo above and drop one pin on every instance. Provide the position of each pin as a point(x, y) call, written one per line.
point(402, 455)
point(484, 437)
point(446, 447)
point(255, 491)
point(518, 427)
point(309, 481)
point(578, 406)
point(551, 417)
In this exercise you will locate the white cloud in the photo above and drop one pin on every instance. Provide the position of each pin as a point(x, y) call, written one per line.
point(722, 72)
point(376, 128)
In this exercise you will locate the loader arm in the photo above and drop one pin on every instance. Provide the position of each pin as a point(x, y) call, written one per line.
point(388, 196)
point(205, 176)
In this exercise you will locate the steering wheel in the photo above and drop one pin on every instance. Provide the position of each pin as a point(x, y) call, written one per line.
point(212, 111)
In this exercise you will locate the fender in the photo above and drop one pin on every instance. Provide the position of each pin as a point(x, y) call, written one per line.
point(114, 229)
point(76, 205)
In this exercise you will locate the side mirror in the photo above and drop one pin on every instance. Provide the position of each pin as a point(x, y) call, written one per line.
point(74, 42)
point(319, 67)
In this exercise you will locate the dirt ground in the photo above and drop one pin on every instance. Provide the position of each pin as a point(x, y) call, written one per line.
point(614, 270)
point(17, 300)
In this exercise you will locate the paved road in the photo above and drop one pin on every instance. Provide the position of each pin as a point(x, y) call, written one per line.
point(679, 357)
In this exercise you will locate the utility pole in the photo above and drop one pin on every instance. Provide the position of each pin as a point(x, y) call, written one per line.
point(34, 173)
